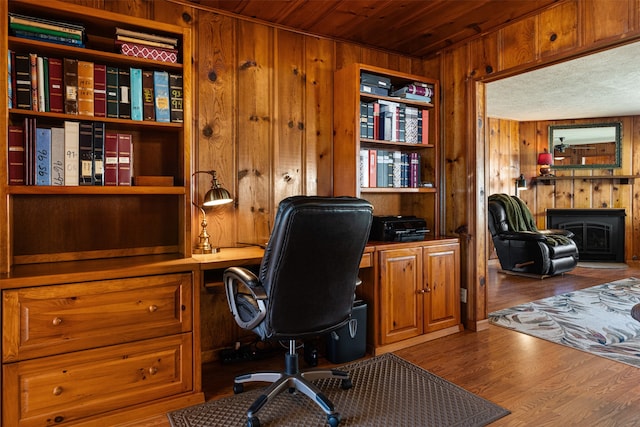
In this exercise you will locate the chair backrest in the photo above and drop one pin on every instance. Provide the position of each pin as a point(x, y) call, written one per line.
point(310, 266)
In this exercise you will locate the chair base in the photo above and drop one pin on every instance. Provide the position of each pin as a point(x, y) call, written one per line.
point(530, 275)
point(292, 380)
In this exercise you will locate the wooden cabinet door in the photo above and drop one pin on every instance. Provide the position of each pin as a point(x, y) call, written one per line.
point(400, 294)
point(442, 296)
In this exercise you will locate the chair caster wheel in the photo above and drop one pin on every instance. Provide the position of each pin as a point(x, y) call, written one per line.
point(346, 384)
point(238, 388)
point(254, 422)
point(333, 419)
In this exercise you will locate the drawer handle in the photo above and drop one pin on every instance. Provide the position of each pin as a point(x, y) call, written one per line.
point(56, 321)
point(153, 308)
point(153, 370)
point(57, 391)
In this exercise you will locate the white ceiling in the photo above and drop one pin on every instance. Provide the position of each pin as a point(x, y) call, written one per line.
point(604, 84)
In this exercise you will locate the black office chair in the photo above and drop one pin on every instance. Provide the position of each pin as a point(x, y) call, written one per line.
point(524, 249)
point(305, 287)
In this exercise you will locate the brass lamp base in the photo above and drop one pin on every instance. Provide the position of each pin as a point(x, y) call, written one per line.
point(545, 170)
point(203, 246)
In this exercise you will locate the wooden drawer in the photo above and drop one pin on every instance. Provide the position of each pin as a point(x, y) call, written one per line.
point(59, 389)
point(50, 320)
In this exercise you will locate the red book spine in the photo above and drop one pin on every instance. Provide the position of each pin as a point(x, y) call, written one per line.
point(373, 168)
point(16, 155)
point(56, 86)
point(100, 90)
point(124, 159)
point(111, 158)
point(425, 126)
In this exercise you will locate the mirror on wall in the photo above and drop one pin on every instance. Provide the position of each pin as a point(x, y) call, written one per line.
point(587, 146)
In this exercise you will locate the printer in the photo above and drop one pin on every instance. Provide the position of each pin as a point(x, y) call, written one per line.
point(398, 229)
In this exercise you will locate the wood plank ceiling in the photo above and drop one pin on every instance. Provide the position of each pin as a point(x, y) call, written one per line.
point(415, 28)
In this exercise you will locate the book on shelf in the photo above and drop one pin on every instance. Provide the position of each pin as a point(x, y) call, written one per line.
point(110, 158)
point(85, 88)
point(56, 85)
point(125, 154)
point(99, 90)
point(35, 30)
point(70, 70)
point(11, 82)
point(57, 156)
point(136, 93)
point(22, 67)
point(414, 97)
point(43, 156)
point(33, 76)
point(146, 36)
point(48, 38)
point(161, 93)
point(43, 92)
point(61, 26)
point(16, 155)
point(139, 50)
point(71, 153)
point(29, 149)
point(415, 89)
point(142, 42)
point(424, 114)
point(112, 92)
point(124, 93)
point(396, 168)
point(85, 152)
point(411, 124)
point(363, 168)
point(373, 166)
point(176, 98)
point(148, 99)
point(99, 130)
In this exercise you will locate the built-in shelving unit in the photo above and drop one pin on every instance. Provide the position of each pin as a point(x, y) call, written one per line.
point(421, 199)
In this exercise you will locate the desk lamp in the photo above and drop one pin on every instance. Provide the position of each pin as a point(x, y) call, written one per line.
point(215, 196)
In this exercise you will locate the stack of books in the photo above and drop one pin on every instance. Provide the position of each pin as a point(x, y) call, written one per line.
point(145, 45)
point(47, 30)
point(416, 91)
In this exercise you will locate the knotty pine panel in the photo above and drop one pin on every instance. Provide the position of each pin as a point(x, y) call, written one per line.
point(632, 220)
point(557, 28)
point(319, 66)
point(216, 72)
point(289, 120)
point(604, 20)
point(518, 43)
point(255, 122)
point(483, 56)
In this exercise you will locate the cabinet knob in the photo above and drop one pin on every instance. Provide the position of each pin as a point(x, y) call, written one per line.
point(153, 308)
point(420, 291)
point(153, 370)
point(427, 289)
point(57, 391)
point(56, 321)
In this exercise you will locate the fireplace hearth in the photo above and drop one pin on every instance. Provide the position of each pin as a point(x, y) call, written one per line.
point(599, 233)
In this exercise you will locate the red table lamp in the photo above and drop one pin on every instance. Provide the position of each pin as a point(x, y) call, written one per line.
point(545, 160)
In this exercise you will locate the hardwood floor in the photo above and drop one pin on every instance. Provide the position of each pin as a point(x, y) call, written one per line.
point(541, 383)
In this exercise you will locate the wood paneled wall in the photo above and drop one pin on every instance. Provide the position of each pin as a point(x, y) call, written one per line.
point(514, 147)
point(263, 113)
point(567, 29)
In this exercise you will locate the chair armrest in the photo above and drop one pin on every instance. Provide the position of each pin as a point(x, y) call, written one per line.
point(557, 232)
point(236, 278)
point(521, 235)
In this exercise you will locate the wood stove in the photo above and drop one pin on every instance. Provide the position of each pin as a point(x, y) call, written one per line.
point(599, 233)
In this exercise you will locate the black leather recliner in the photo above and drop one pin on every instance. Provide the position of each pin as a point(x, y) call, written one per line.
point(521, 247)
point(305, 287)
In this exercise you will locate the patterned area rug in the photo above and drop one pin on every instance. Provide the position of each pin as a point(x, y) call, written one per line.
point(387, 391)
point(596, 320)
